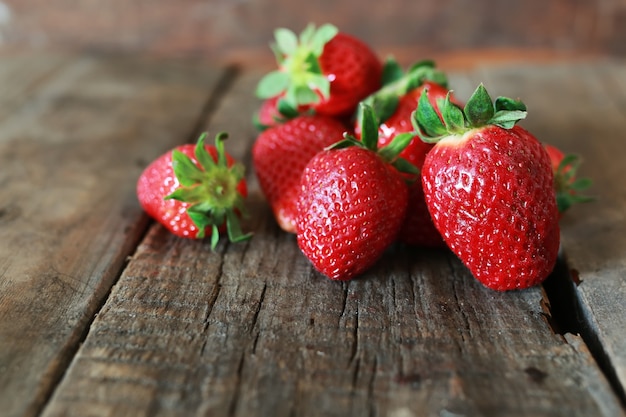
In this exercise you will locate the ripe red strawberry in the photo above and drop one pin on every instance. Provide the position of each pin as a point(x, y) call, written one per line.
point(280, 154)
point(351, 204)
point(324, 69)
point(568, 188)
point(394, 105)
point(195, 190)
point(488, 187)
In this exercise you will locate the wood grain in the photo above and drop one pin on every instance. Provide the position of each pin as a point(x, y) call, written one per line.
point(251, 329)
point(74, 135)
point(240, 31)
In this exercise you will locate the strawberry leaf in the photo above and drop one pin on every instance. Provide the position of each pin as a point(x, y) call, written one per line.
point(505, 103)
point(321, 37)
point(272, 84)
point(235, 234)
point(397, 145)
point(211, 189)
point(426, 121)
point(286, 40)
point(369, 126)
point(479, 108)
point(507, 118)
point(406, 167)
point(185, 170)
point(205, 160)
point(392, 71)
point(452, 115)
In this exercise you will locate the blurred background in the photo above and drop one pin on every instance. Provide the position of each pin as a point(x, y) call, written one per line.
point(239, 31)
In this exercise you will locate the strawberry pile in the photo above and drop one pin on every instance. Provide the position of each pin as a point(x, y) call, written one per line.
point(354, 154)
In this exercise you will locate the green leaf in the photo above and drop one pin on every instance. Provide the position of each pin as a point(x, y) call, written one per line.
point(307, 34)
point(581, 184)
point(321, 37)
point(235, 234)
point(185, 169)
point(507, 118)
point(419, 65)
point(426, 119)
point(221, 152)
point(304, 95)
point(346, 142)
point(452, 115)
point(406, 167)
point(392, 71)
point(369, 126)
point(319, 82)
point(384, 107)
point(272, 84)
point(286, 109)
point(399, 142)
point(189, 195)
point(479, 108)
point(205, 160)
point(505, 103)
point(286, 40)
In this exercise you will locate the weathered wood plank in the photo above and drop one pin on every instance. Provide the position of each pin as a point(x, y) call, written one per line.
point(582, 109)
point(71, 149)
point(251, 329)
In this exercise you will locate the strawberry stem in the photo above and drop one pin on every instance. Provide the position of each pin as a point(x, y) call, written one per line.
point(480, 110)
point(396, 83)
point(367, 120)
point(299, 77)
point(568, 188)
point(210, 187)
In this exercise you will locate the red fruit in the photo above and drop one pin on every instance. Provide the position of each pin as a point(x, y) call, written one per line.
point(395, 103)
point(324, 69)
point(195, 191)
point(400, 121)
point(418, 228)
point(351, 206)
point(568, 188)
point(280, 154)
point(488, 187)
point(268, 114)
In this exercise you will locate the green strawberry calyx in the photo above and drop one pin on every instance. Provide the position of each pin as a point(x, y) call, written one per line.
point(368, 123)
point(569, 188)
point(480, 110)
point(210, 187)
point(396, 83)
point(299, 78)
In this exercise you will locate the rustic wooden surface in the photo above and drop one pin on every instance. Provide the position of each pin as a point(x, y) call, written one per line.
point(239, 31)
point(105, 314)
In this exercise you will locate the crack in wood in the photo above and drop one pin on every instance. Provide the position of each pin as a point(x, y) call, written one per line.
point(371, 399)
point(565, 314)
point(232, 409)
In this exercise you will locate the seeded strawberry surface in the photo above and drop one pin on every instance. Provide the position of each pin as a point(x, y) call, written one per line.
point(354, 72)
point(350, 209)
point(490, 194)
point(280, 154)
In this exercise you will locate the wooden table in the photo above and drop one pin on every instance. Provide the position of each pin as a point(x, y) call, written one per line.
point(103, 313)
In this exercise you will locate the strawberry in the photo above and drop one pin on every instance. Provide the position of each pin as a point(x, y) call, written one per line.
point(195, 190)
point(568, 188)
point(351, 204)
point(395, 103)
point(279, 155)
point(323, 69)
point(488, 187)
point(274, 111)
